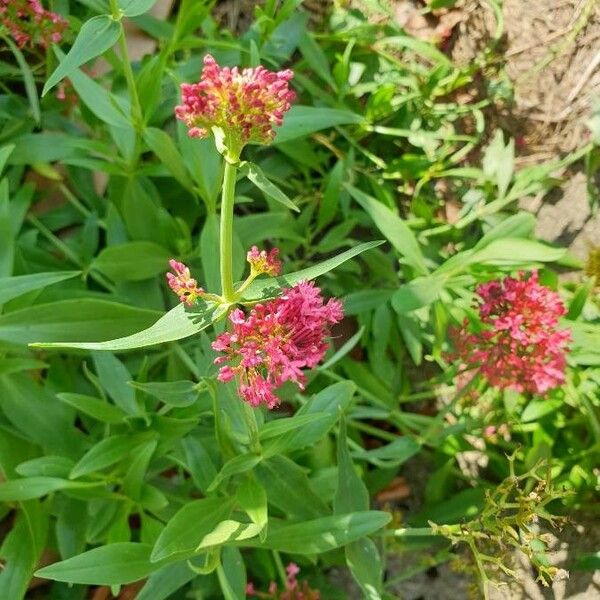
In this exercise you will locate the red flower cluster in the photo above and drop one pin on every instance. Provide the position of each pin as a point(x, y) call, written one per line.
point(183, 284)
point(275, 341)
point(293, 589)
point(265, 262)
point(245, 104)
point(521, 346)
point(30, 24)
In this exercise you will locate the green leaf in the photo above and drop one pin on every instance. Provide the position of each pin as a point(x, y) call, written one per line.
point(105, 105)
point(252, 498)
point(235, 465)
point(232, 574)
point(330, 403)
point(417, 293)
point(517, 251)
point(107, 452)
point(362, 557)
point(255, 174)
point(18, 490)
point(164, 147)
point(588, 562)
point(133, 8)
point(520, 225)
point(94, 407)
point(536, 409)
point(132, 261)
point(113, 564)
point(13, 287)
point(270, 286)
point(163, 583)
point(45, 466)
point(113, 376)
point(498, 162)
point(228, 531)
point(397, 232)
point(95, 37)
point(351, 494)
point(301, 121)
point(174, 393)
point(322, 535)
point(280, 426)
point(186, 530)
point(28, 79)
point(392, 454)
point(82, 318)
point(178, 323)
point(289, 489)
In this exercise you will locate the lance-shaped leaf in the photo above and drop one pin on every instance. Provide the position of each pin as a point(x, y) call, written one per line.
point(95, 37)
point(177, 324)
point(255, 174)
point(270, 286)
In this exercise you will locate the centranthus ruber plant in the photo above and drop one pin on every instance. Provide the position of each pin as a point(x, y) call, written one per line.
point(520, 345)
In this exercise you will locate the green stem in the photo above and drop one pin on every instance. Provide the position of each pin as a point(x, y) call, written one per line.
point(136, 107)
point(226, 233)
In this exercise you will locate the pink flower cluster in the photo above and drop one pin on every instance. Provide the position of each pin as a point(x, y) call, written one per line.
point(183, 284)
point(520, 346)
point(275, 341)
point(244, 103)
point(293, 589)
point(265, 262)
point(30, 24)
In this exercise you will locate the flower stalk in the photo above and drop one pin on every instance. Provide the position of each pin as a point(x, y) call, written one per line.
point(226, 232)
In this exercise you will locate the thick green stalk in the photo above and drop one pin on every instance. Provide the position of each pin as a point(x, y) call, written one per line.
point(226, 233)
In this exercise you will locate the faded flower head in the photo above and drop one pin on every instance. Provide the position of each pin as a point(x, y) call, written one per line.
point(265, 262)
point(244, 103)
point(30, 24)
point(275, 341)
point(294, 590)
point(183, 284)
point(520, 346)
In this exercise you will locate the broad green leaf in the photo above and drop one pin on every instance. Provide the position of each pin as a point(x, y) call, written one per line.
point(94, 407)
point(270, 286)
point(46, 466)
point(105, 105)
point(392, 454)
point(588, 561)
point(22, 548)
point(520, 225)
point(321, 535)
point(364, 561)
point(304, 120)
point(5, 152)
point(13, 287)
point(162, 584)
point(351, 494)
point(253, 500)
point(417, 293)
point(536, 409)
point(255, 174)
point(329, 403)
point(95, 37)
point(420, 47)
point(198, 463)
point(186, 530)
point(517, 251)
point(114, 378)
point(234, 466)
point(228, 531)
point(174, 393)
point(280, 426)
point(107, 452)
point(393, 227)
point(112, 564)
point(289, 489)
point(36, 487)
point(164, 147)
point(133, 8)
point(209, 241)
point(133, 261)
point(81, 318)
point(232, 574)
point(178, 323)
